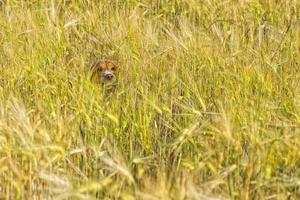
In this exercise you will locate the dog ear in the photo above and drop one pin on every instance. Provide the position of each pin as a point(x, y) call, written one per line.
point(93, 71)
point(95, 65)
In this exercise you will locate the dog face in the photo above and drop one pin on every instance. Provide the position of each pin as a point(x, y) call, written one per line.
point(103, 71)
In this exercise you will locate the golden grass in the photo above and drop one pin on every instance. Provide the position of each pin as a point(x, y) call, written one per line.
point(206, 106)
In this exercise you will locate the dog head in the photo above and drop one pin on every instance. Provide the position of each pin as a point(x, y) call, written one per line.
point(103, 71)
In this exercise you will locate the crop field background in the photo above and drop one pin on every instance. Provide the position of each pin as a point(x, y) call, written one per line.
point(206, 104)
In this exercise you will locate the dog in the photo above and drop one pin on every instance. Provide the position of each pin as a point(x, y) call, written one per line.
point(103, 71)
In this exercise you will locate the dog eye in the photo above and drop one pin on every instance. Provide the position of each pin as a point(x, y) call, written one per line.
point(113, 68)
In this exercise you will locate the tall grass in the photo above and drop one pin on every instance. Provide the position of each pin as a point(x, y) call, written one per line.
point(206, 105)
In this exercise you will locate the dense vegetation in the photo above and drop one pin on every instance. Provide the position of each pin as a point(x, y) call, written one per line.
point(206, 104)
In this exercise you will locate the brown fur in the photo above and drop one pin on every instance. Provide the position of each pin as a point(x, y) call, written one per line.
point(103, 71)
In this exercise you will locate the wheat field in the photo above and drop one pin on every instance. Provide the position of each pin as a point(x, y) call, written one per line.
point(206, 105)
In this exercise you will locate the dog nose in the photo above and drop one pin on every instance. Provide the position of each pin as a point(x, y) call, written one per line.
point(109, 76)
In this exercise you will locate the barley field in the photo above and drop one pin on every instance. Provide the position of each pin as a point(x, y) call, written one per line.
point(206, 105)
